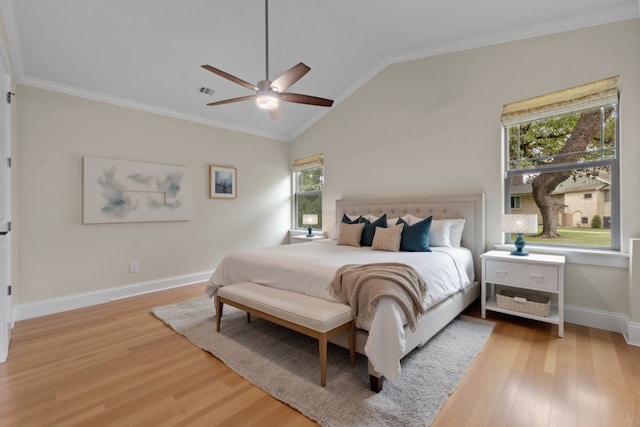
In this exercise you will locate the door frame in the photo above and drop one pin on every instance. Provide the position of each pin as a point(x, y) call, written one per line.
point(6, 275)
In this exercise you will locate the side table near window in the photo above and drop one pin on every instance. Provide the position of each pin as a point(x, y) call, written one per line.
point(523, 278)
point(303, 238)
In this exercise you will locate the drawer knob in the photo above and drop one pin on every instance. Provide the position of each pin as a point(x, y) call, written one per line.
point(501, 272)
point(537, 277)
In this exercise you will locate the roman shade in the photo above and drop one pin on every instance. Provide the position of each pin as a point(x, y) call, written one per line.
point(591, 95)
point(308, 162)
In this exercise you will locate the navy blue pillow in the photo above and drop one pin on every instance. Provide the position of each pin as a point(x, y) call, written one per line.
point(347, 220)
point(370, 229)
point(415, 238)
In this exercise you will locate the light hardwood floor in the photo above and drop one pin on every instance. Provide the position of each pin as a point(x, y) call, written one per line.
point(117, 365)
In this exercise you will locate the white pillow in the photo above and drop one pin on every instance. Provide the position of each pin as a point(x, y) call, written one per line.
point(411, 220)
point(444, 232)
point(455, 232)
point(392, 221)
point(439, 234)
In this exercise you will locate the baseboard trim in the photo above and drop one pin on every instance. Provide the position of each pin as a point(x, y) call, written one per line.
point(72, 302)
point(613, 322)
point(632, 336)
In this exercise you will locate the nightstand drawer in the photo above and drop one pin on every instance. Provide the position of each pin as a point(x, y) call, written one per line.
point(522, 274)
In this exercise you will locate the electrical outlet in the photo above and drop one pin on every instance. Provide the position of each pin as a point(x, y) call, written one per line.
point(134, 267)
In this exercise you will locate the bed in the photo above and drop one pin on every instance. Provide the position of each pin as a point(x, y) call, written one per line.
point(451, 272)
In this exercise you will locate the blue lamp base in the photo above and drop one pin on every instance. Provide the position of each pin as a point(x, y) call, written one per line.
point(520, 243)
point(309, 232)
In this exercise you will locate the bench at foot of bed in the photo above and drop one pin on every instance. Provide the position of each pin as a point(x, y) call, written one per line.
point(311, 316)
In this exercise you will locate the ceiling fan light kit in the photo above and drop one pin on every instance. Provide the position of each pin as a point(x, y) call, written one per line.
point(267, 101)
point(266, 97)
point(270, 93)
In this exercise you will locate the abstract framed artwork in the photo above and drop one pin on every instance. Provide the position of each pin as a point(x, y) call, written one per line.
point(116, 191)
point(222, 182)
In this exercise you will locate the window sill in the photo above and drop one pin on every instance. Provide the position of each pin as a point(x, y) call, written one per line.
point(602, 258)
point(304, 233)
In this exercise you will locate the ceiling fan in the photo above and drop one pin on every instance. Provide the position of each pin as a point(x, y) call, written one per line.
point(269, 93)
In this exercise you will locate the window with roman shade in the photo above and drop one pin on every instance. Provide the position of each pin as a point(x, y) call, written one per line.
point(558, 148)
point(308, 183)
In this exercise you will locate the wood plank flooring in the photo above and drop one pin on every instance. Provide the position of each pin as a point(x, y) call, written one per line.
point(527, 376)
point(117, 365)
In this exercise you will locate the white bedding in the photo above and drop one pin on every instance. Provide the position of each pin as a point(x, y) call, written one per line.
point(309, 268)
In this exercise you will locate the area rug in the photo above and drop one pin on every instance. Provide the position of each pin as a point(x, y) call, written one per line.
point(285, 364)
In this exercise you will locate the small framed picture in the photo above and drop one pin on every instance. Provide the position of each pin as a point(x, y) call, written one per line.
point(222, 182)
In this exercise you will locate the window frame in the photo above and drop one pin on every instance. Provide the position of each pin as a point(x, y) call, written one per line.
point(612, 162)
point(300, 165)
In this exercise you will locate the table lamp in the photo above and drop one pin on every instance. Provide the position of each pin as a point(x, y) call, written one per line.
point(309, 219)
point(519, 223)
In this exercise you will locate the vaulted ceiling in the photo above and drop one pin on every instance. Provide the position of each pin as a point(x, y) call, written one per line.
point(147, 54)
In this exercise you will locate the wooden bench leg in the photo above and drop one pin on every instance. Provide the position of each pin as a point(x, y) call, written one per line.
point(322, 343)
point(218, 313)
point(352, 344)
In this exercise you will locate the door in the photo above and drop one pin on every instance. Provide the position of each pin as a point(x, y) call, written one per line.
point(5, 214)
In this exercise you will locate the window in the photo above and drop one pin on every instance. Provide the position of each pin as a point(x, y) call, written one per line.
point(308, 182)
point(562, 162)
point(515, 202)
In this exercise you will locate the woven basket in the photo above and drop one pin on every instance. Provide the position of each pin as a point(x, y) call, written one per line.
point(537, 305)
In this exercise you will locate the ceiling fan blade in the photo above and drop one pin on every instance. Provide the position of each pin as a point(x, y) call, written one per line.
point(229, 101)
point(306, 99)
point(275, 113)
point(230, 77)
point(289, 77)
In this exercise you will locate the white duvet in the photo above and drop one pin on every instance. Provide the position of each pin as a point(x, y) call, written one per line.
point(309, 268)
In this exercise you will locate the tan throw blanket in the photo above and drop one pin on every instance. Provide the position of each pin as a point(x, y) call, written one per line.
point(362, 285)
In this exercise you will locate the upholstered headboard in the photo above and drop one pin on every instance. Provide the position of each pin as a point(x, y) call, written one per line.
point(467, 206)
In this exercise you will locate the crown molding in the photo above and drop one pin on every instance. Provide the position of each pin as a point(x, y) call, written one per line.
point(127, 103)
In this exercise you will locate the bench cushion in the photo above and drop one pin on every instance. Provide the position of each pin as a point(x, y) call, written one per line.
point(314, 313)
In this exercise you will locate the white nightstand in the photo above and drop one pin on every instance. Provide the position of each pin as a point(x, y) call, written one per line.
point(541, 273)
point(301, 238)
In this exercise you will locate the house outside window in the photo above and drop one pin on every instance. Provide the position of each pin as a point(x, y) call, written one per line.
point(308, 184)
point(515, 202)
point(562, 163)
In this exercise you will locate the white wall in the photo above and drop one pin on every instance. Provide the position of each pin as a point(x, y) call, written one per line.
point(432, 126)
point(59, 256)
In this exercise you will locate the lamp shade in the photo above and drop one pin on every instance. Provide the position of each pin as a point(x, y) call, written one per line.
point(519, 223)
point(309, 219)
